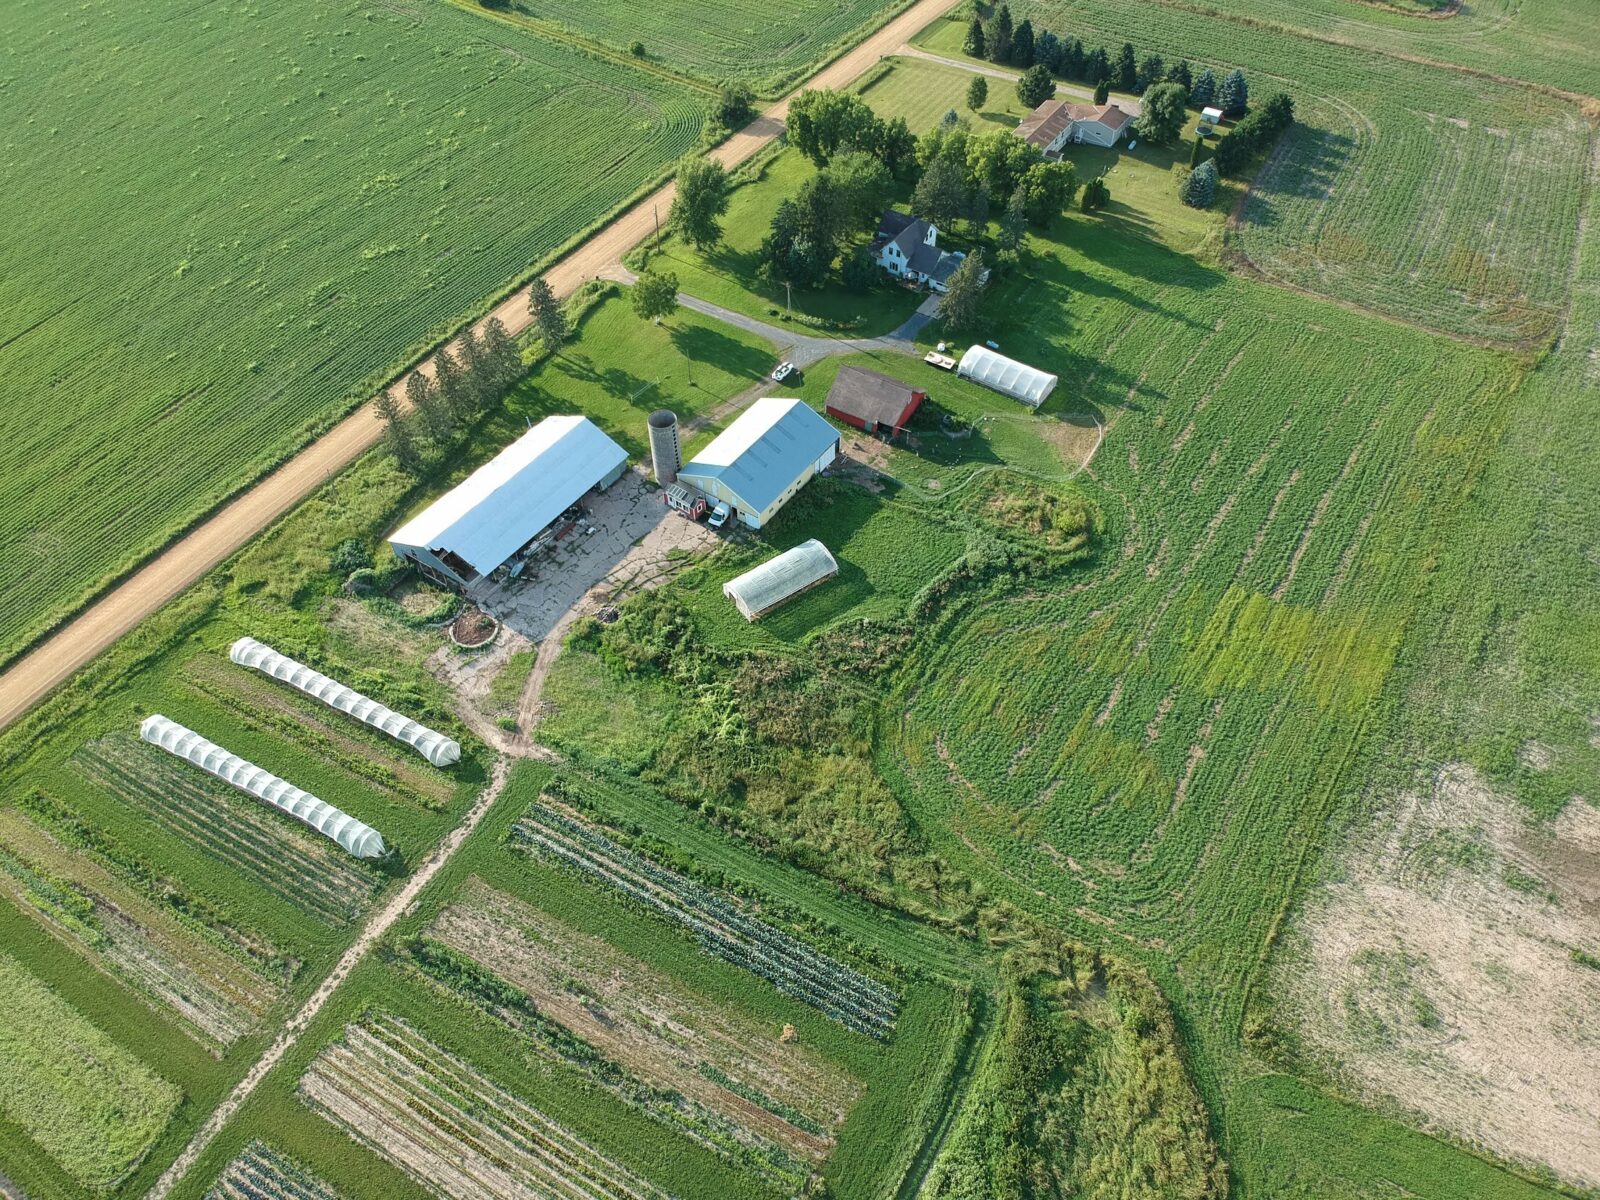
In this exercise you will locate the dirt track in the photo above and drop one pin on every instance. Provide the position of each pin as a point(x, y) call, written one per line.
point(56, 659)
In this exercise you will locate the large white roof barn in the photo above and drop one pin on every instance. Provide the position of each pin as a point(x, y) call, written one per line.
point(756, 464)
point(503, 505)
point(781, 578)
point(1006, 375)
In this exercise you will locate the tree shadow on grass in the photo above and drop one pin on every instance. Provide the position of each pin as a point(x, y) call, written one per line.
point(709, 344)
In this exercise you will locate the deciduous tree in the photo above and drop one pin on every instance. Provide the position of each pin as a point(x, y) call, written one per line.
point(655, 295)
point(735, 106)
point(864, 187)
point(1163, 113)
point(941, 194)
point(821, 121)
point(700, 201)
point(1048, 188)
point(996, 161)
point(1013, 225)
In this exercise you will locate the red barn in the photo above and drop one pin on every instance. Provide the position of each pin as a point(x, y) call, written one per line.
point(873, 402)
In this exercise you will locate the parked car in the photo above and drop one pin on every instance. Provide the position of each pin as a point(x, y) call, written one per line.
point(782, 371)
point(719, 515)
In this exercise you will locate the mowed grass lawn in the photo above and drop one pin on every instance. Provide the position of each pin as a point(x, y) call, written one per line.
point(224, 229)
point(1426, 194)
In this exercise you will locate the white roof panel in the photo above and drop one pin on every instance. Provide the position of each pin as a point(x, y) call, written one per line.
point(489, 516)
point(774, 581)
point(766, 449)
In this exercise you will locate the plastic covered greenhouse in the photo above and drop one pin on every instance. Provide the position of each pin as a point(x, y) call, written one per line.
point(431, 744)
point(1006, 375)
point(763, 588)
point(361, 840)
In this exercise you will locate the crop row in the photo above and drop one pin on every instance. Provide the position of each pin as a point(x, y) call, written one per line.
point(470, 981)
point(259, 1172)
point(855, 1000)
point(266, 847)
point(451, 1129)
point(215, 997)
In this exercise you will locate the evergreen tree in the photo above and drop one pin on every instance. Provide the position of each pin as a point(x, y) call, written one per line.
point(1102, 92)
point(505, 359)
point(1204, 92)
point(941, 195)
point(1035, 87)
point(1047, 50)
point(548, 319)
point(1000, 35)
point(699, 202)
point(961, 305)
point(422, 394)
point(1234, 95)
point(1194, 154)
point(1199, 188)
point(1013, 224)
point(1074, 61)
point(1150, 72)
point(1179, 74)
point(476, 371)
point(977, 92)
point(1127, 69)
point(396, 433)
point(1095, 195)
point(1097, 66)
point(976, 44)
point(977, 210)
point(454, 386)
point(1022, 46)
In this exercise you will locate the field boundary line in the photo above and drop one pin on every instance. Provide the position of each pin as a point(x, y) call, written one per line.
point(100, 620)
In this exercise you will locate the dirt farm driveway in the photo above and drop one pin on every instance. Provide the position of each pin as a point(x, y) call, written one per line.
point(60, 655)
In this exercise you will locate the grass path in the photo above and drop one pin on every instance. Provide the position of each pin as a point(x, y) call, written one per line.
point(182, 562)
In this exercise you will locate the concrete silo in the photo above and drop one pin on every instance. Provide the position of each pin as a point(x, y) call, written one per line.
point(666, 456)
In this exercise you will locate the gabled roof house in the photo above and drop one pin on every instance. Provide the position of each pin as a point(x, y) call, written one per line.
point(1056, 122)
point(908, 247)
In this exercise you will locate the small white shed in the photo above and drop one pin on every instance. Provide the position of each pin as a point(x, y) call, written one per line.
point(1006, 375)
point(1211, 116)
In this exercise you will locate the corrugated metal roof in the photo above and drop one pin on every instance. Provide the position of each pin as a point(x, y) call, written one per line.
point(765, 450)
point(489, 515)
point(1015, 379)
point(785, 575)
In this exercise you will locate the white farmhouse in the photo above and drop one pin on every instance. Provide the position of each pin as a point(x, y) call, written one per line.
point(760, 461)
point(1055, 123)
point(908, 247)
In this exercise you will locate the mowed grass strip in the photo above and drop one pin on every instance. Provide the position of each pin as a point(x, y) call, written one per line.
point(89, 1104)
point(224, 229)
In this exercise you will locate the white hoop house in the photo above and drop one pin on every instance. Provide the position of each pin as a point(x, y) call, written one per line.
point(431, 744)
point(1006, 375)
point(798, 569)
point(361, 840)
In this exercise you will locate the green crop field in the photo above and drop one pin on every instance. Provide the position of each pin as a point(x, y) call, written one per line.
point(723, 41)
point(1437, 197)
point(999, 865)
point(256, 216)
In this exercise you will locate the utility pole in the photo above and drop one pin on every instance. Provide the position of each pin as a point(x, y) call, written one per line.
point(655, 211)
point(788, 297)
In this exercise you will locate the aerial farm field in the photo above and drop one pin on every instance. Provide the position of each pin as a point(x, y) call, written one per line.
point(255, 218)
point(1441, 198)
point(1183, 790)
